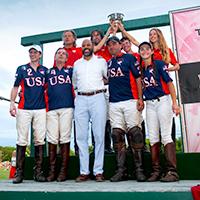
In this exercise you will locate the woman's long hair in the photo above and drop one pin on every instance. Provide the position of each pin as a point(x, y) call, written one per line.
point(162, 45)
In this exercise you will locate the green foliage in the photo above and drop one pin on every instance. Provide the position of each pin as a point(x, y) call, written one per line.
point(4, 174)
point(178, 144)
point(6, 153)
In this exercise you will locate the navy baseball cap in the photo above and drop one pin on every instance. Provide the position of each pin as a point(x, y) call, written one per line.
point(113, 39)
point(145, 42)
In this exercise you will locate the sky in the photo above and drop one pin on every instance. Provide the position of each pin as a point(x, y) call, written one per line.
point(20, 18)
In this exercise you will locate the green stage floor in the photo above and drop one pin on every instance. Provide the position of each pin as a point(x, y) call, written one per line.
point(91, 190)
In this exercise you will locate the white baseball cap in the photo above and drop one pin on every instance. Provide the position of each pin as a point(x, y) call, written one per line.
point(36, 47)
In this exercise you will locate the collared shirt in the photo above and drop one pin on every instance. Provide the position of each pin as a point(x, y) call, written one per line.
point(154, 80)
point(59, 93)
point(74, 54)
point(123, 72)
point(88, 74)
point(32, 86)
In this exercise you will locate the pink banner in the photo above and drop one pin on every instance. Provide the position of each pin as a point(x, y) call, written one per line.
point(186, 26)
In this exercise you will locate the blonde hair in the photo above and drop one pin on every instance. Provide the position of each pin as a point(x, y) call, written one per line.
point(163, 47)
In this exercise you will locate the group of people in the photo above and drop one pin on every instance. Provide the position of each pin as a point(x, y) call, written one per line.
point(103, 82)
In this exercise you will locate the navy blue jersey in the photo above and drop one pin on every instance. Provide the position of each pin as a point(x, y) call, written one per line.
point(154, 80)
point(122, 74)
point(32, 86)
point(60, 93)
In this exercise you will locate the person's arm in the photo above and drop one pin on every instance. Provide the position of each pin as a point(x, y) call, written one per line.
point(140, 103)
point(74, 78)
point(126, 34)
point(13, 95)
point(175, 67)
point(175, 107)
point(103, 41)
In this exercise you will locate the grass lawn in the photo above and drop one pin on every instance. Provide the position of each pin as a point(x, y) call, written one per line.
point(4, 174)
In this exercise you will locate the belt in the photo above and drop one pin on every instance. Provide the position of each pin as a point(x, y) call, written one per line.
point(91, 93)
point(157, 98)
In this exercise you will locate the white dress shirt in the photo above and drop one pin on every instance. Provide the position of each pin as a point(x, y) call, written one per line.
point(88, 74)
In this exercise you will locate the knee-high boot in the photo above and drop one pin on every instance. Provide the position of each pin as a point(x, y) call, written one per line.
point(20, 159)
point(64, 150)
point(170, 155)
point(135, 139)
point(52, 162)
point(38, 173)
point(155, 160)
point(118, 136)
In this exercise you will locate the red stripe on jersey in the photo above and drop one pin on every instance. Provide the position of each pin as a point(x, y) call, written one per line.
point(22, 98)
point(46, 98)
point(133, 85)
point(73, 92)
point(164, 86)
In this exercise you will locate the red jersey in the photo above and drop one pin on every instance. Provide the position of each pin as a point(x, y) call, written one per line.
point(74, 54)
point(158, 56)
point(104, 53)
point(137, 55)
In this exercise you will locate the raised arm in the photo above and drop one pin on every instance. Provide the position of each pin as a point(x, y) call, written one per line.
point(126, 34)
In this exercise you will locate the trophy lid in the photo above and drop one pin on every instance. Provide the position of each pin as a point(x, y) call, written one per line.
point(116, 16)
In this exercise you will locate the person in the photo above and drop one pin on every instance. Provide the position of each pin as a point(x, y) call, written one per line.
point(13, 165)
point(69, 42)
point(90, 102)
point(126, 105)
point(60, 104)
point(31, 78)
point(159, 112)
point(69, 38)
point(163, 52)
point(126, 46)
point(100, 49)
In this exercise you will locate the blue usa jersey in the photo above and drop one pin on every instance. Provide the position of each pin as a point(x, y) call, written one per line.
point(154, 80)
point(122, 74)
point(32, 86)
point(60, 93)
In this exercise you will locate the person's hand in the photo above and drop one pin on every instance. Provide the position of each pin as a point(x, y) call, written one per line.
point(176, 109)
point(140, 104)
point(121, 26)
point(13, 110)
point(114, 27)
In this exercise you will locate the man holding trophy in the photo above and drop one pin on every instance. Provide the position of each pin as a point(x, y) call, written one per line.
point(126, 105)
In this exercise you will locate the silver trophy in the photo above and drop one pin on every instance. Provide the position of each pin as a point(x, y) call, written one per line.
point(115, 17)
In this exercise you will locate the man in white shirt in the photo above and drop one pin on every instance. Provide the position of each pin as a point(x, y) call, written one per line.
point(90, 103)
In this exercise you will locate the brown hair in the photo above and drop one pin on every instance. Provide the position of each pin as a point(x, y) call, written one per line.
point(163, 47)
point(74, 35)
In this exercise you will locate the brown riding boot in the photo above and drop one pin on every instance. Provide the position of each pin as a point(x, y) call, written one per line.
point(20, 159)
point(52, 162)
point(120, 150)
point(38, 173)
point(135, 140)
point(64, 151)
point(155, 159)
point(170, 155)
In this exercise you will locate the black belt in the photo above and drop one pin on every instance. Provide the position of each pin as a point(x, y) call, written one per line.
point(157, 98)
point(91, 93)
